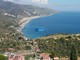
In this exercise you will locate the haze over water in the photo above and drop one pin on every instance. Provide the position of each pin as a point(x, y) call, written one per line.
point(63, 22)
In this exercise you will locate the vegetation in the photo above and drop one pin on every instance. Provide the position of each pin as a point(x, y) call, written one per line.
point(2, 57)
point(23, 10)
point(52, 55)
point(73, 54)
point(28, 48)
point(9, 37)
point(28, 57)
point(61, 46)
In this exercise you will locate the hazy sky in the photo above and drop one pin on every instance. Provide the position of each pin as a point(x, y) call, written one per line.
point(68, 5)
point(62, 5)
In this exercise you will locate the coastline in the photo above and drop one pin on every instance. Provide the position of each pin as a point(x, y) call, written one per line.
point(25, 21)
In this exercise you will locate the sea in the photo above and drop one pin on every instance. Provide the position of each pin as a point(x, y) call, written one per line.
point(62, 22)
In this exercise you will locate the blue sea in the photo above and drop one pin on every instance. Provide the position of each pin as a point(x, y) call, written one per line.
point(63, 22)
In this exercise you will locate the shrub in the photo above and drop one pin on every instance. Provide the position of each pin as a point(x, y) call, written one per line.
point(2, 57)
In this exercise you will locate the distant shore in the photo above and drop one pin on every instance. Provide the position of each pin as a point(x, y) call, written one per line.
point(25, 21)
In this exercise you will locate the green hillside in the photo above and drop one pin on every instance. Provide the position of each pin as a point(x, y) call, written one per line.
point(60, 44)
point(23, 10)
point(9, 37)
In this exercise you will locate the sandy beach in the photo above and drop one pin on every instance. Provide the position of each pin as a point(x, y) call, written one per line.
point(25, 21)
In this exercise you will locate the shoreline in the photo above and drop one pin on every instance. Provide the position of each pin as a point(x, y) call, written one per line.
point(25, 21)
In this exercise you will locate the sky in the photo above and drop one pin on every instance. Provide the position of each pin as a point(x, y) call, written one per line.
point(65, 5)
point(60, 5)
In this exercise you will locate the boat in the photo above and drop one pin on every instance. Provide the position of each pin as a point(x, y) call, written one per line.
point(40, 29)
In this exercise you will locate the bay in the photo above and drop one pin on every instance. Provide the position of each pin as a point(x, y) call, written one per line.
point(63, 22)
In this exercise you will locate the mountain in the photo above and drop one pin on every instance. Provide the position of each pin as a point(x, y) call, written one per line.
point(23, 10)
point(9, 12)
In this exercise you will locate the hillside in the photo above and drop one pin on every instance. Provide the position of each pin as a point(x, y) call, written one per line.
point(9, 13)
point(60, 44)
point(23, 10)
point(9, 37)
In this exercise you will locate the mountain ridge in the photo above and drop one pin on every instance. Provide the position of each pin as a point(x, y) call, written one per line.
point(23, 10)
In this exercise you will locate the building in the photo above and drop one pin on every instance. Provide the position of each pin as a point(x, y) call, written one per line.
point(16, 57)
point(45, 56)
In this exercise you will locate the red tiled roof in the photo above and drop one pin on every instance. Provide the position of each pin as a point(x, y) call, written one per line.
point(45, 56)
point(16, 57)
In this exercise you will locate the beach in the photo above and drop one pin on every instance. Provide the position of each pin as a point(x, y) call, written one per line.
point(25, 21)
point(64, 22)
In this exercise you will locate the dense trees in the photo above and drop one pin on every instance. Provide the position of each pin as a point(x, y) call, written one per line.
point(2, 57)
point(52, 55)
point(73, 54)
point(9, 37)
point(61, 46)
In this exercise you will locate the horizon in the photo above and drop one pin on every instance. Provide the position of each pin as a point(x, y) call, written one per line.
point(59, 5)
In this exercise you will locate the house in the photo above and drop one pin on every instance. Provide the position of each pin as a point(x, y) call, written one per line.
point(16, 57)
point(56, 58)
point(64, 58)
point(45, 56)
point(11, 49)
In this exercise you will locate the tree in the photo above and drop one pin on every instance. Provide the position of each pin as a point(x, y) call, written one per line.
point(52, 55)
point(73, 54)
point(2, 57)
